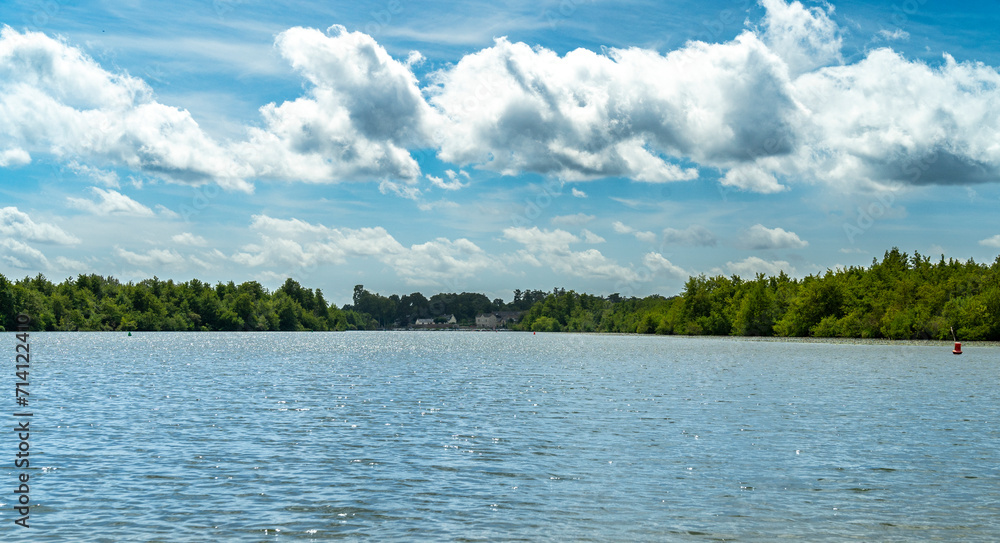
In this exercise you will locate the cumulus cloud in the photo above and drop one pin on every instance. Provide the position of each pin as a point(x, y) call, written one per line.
point(17, 224)
point(760, 237)
point(110, 202)
point(56, 100)
point(454, 180)
point(991, 242)
point(103, 177)
point(577, 193)
point(513, 108)
point(887, 121)
point(70, 265)
point(770, 107)
point(552, 249)
point(621, 228)
point(590, 237)
point(403, 190)
point(293, 243)
point(440, 260)
point(164, 211)
point(658, 264)
point(361, 112)
point(805, 38)
point(187, 238)
point(10, 158)
point(694, 235)
point(21, 255)
point(773, 106)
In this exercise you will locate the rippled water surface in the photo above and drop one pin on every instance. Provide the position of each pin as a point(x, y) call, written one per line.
point(461, 436)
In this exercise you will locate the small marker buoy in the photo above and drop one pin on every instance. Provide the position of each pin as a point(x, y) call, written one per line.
point(958, 348)
point(130, 333)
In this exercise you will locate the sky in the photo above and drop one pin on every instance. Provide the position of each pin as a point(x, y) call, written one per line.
point(432, 147)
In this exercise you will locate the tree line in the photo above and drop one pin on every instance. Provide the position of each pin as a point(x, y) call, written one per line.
point(901, 297)
point(93, 302)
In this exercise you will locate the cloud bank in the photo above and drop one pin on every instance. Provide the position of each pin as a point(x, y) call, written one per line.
point(776, 105)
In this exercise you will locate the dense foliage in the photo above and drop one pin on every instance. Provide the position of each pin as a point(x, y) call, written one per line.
point(901, 297)
point(92, 302)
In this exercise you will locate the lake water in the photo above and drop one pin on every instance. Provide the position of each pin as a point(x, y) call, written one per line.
point(460, 436)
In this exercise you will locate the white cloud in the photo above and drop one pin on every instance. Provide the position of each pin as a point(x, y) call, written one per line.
point(110, 203)
point(696, 236)
point(579, 219)
point(751, 266)
point(886, 121)
point(292, 244)
point(452, 184)
point(164, 211)
point(58, 101)
point(552, 249)
point(70, 265)
point(403, 190)
point(512, 108)
point(21, 255)
point(187, 238)
point(894, 35)
point(578, 193)
point(760, 237)
point(590, 237)
point(621, 228)
point(805, 38)
point(12, 158)
point(657, 263)
point(991, 242)
point(774, 106)
point(17, 224)
point(646, 237)
point(436, 262)
point(103, 177)
point(361, 111)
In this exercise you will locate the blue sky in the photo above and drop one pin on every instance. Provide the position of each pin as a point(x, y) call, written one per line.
point(447, 147)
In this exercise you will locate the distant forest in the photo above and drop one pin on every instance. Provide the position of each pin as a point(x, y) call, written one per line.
point(901, 297)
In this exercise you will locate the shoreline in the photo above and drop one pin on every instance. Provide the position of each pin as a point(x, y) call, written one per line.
point(774, 339)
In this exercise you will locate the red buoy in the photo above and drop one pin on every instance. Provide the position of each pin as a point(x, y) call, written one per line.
point(958, 348)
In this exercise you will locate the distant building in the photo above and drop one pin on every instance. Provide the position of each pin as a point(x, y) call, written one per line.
point(487, 320)
point(439, 321)
point(497, 319)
